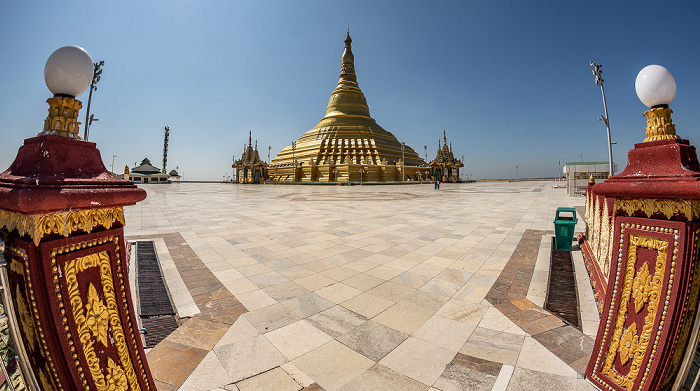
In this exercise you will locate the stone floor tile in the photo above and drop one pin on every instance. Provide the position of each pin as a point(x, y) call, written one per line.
point(463, 311)
point(315, 282)
point(285, 291)
point(338, 292)
point(447, 333)
point(403, 318)
point(527, 380)
point(308, 304)
point(275, 379)
point(459, 378)
point(427, 270)
point(411, 280)
point(240, 285)
point(493, 345)
point(418, 360)
point(256, 299)
point(300, 377)
point(267, 279)
point(363, 282)
point(536, 357)
point(297, 339)
point(391, 291)
point(503, 378)
point(340, 273)
point(493, 319)
point(172, 362)
point(471, 293)
point(367, 305)
point(336, 321)
point(271, 318)
point(384, 272)
point(322, 365)
point(208, 375)
point(197, 333)
point(372, 340)
point(248, 357)
point(379, 377)
point(241, 329)
point(424, 300)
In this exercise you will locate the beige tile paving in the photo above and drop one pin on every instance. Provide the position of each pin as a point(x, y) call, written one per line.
point(310, 269)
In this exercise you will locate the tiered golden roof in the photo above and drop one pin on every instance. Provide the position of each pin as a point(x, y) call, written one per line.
point(347, 144)
point(445, 166)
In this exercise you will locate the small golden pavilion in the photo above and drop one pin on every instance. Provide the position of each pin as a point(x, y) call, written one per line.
point(249, 168)
point(347, 145)
point(445, 166)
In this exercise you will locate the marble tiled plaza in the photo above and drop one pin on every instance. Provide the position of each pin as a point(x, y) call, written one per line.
point(289, 287)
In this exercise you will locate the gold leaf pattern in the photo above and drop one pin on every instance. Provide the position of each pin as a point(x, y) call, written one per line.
point(629, 343)
point(641, 287)
point(116, 378)
point(97, 316)
point(61, 223)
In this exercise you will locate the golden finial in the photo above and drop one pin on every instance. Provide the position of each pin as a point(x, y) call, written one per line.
point(591, 181)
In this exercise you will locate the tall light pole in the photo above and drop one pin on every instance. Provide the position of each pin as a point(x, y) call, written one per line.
point(113, 156)
point(403, 164)
point(269, 147)
point(597, 72)
point(96, 74)
point(426, 154)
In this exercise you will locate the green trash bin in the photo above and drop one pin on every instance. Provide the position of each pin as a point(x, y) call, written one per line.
point(564, 228)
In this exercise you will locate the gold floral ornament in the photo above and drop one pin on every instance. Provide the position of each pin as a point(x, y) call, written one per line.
point(629, 343)
point(116, 378)
point(641, 288)
point(97, 315)
point(25, 319)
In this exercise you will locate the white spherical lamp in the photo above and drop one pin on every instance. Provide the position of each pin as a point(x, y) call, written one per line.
point(655, 86)
point(68, 71)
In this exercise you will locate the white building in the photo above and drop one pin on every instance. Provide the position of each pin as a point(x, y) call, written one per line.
point(578, 174)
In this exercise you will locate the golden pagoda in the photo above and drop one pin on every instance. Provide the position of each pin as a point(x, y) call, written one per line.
point(347, 145)
point(445, 166)
point(250, 168)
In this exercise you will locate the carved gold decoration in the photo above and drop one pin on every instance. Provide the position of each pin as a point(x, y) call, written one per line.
point(63, 117)
point(25, 320)
point(116, 378)
point(97, 316)
point(641, 288)
point(629, 343)
point(94, 327)
point(660, 125)
point(669, 208)
point(62, 223)
point(653, 286)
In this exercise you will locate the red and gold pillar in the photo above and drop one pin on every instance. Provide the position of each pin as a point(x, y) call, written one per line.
point(641, 249)
point(62, 214)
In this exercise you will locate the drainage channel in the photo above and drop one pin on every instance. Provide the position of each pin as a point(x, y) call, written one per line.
point(156, 310)
point(562, 296)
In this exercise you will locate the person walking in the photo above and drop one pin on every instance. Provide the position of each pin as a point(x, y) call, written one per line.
point(437, 184)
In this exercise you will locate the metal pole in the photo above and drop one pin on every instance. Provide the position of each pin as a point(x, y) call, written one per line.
point(597, 72)
point(403, 163)
point(96, 74)
point(113, 156)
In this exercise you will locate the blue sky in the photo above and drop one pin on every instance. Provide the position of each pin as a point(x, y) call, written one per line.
point(510, 81)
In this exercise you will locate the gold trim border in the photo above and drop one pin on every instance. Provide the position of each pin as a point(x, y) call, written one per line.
point(62, 223)
point(669, 208)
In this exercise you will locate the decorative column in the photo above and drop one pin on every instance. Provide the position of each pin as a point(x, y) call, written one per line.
point(61, 212)
point(641, 249)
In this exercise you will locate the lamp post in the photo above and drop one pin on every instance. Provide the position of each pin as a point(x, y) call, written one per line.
point(96, 75)
point(269, 147)
point(426, 154)
point(335, 175)
point(362, 171)
point(62, 226)
point(113, 156)
point(597, 72)
point(403, 164)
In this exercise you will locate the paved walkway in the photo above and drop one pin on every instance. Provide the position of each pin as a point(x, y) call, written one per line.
point(362, 287)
